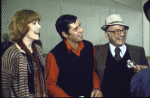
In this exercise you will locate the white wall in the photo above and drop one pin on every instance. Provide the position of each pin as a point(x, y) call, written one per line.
point(91, 14)
point(134, 4)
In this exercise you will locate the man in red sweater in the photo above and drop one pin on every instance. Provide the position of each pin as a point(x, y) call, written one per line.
point(70, 65)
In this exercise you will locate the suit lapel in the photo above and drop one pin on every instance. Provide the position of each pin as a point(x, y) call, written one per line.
point(101, 55)
point(133, 54)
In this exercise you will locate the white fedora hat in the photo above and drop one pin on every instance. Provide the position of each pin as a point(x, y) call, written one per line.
point(114, 19)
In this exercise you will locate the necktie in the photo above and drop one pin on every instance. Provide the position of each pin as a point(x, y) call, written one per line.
point(117, 55)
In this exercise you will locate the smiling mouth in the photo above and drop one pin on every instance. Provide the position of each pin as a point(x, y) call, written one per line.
point(36, 33)
point(123, 38)
point(81, 36)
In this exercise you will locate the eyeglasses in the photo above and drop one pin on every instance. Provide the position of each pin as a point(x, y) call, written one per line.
point(119, 31)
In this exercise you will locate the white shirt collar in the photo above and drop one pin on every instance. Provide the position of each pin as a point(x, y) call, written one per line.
point(112, 49)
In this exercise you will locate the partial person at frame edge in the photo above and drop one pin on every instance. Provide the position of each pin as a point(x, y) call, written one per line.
point(140, 82)
point(111, 59)
point(6, 43)
point(146, 9)
point(23, 70)
point(70, 65)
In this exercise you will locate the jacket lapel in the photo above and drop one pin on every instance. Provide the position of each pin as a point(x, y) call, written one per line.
point(133, 54)
point(101, 55)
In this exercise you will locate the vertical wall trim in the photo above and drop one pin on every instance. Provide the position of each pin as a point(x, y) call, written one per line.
point(142, 31)
point(116, 8)
point(149, 40)
point(61, 7)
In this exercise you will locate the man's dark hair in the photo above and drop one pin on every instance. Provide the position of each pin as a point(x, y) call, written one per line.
point(62, 24)
point(146, 7)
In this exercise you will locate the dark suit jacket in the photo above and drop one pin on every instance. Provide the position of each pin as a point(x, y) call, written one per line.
point(137, 55)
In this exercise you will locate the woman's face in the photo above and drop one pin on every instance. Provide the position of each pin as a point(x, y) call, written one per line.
point(33, 32)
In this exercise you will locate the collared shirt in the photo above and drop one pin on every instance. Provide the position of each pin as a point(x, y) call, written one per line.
point(52, 72)
point(80, 47)
point(123, 49)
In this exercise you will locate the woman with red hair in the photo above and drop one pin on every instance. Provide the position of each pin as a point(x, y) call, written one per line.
point(23, 70)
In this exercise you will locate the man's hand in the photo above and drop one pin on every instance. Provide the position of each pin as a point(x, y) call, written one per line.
point(96, 93)
point(139, 67)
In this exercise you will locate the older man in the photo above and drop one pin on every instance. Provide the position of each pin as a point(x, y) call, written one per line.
point(112, 58)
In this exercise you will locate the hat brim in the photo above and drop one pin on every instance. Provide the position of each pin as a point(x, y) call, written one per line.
point(105, 26)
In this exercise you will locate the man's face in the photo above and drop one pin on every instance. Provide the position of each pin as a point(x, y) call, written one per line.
point(148, 14)
point(114, 38)
point(75, 32)
point(5, 38)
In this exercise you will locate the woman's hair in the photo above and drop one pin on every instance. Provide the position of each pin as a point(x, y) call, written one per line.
point(19, 24)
